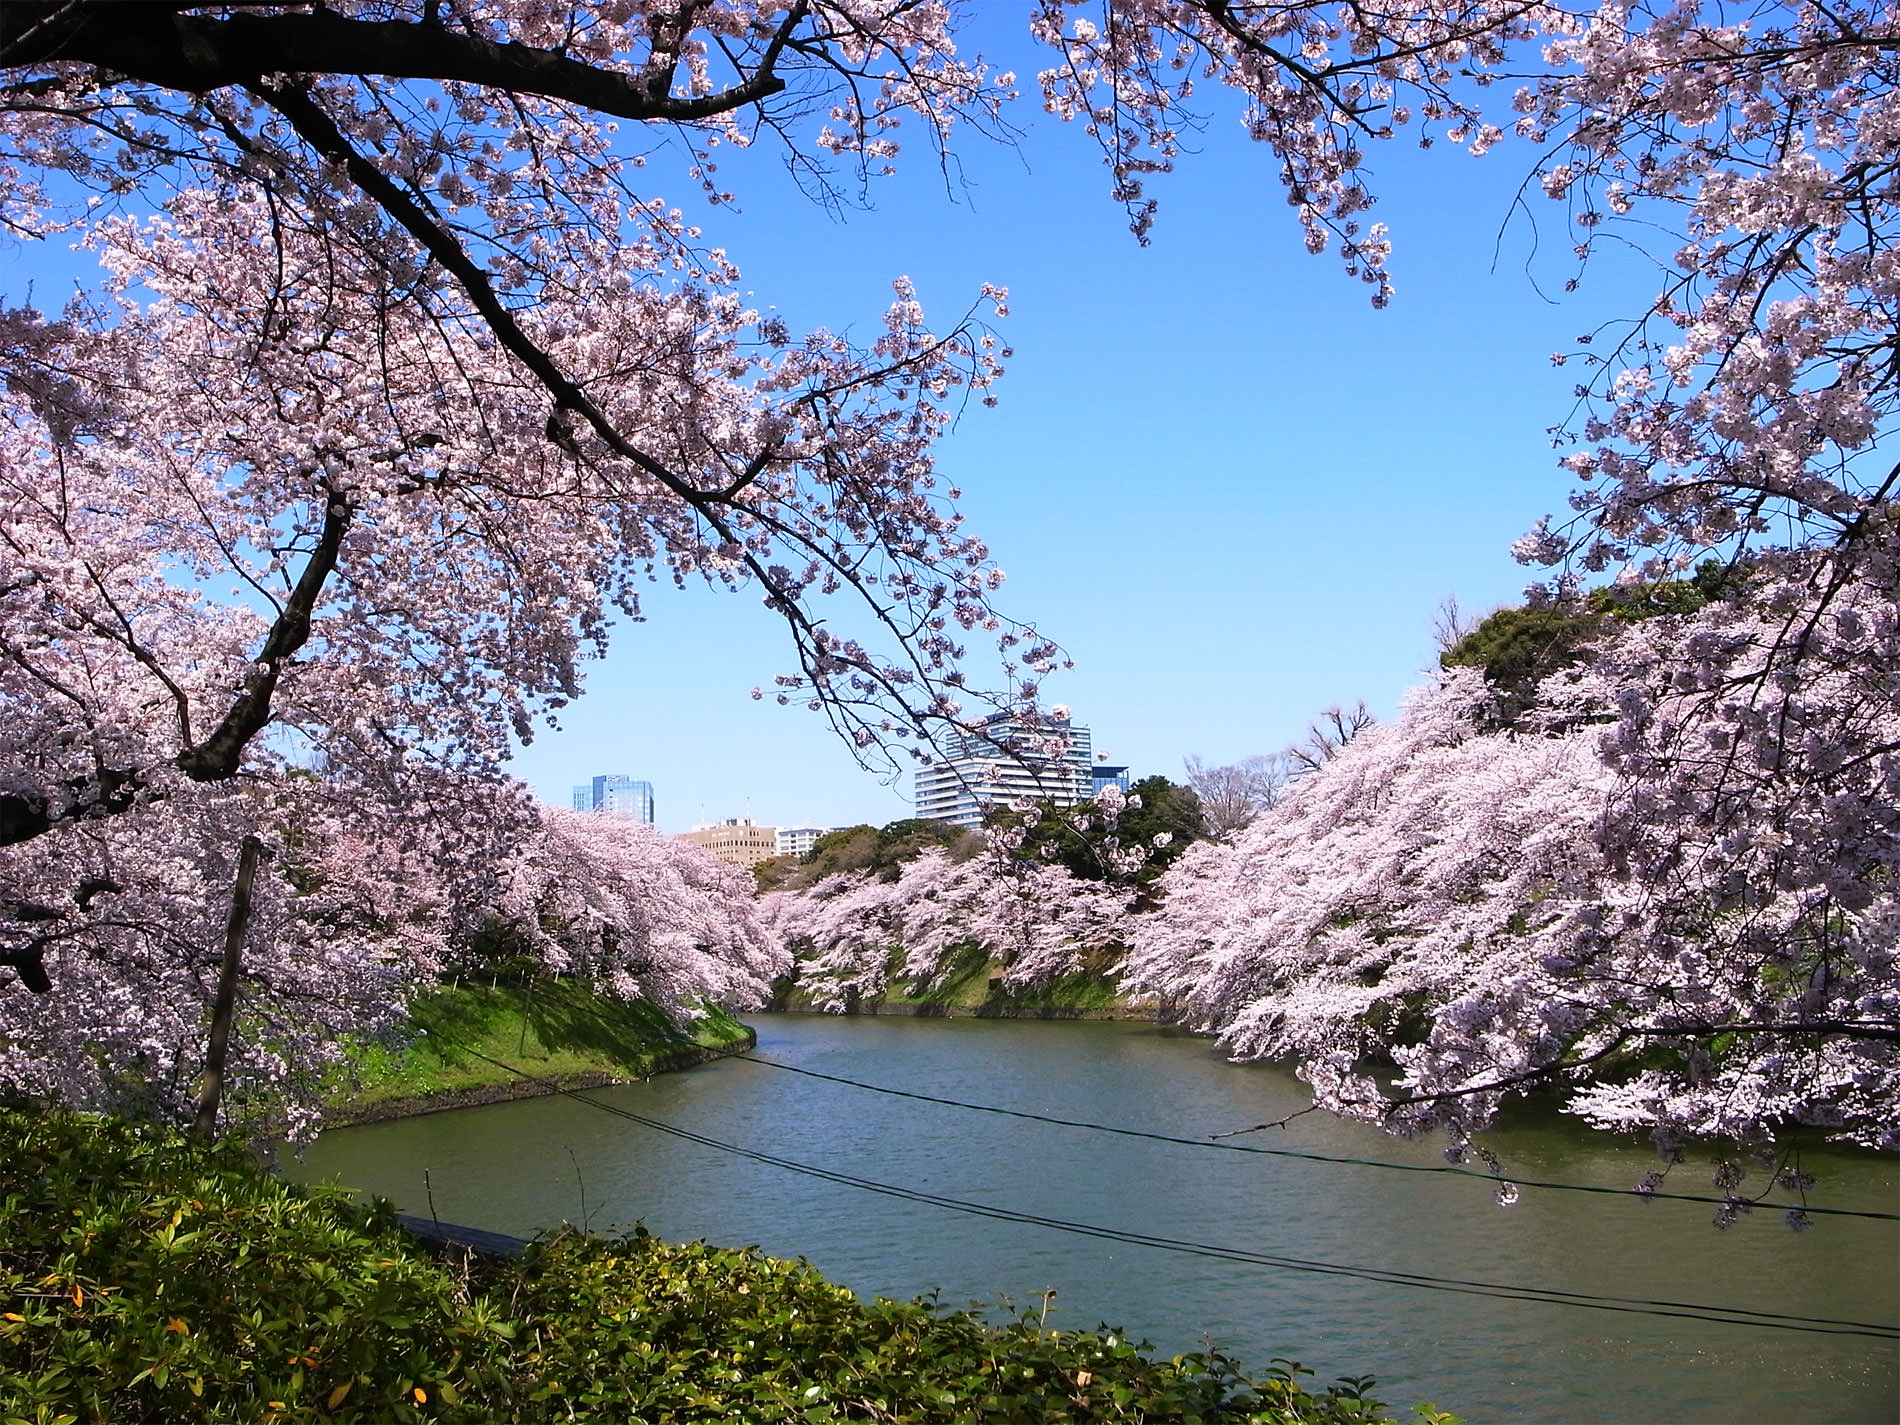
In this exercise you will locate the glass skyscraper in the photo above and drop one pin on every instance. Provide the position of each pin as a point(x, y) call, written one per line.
point(617, 795)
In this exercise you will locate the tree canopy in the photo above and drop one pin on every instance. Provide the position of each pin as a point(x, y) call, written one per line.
point(1518, 648)
point(881, 851)
point(1128, 840)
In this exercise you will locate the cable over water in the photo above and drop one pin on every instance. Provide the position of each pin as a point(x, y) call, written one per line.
point(1734, 1316)
point(1229, 1147)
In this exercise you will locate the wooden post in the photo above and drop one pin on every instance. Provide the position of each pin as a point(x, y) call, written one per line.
point(204, 1127)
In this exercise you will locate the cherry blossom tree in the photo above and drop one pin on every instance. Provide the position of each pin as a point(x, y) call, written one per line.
point(1504, 911)
point(400, 342)
point(1753, 840)
point(1750, 762)
point(474, 145)
point(643, 914)
point(855, 933)
point(122, 920)
point(1744, 148)
point(383, 498)
point(344, 357)
point(1381, 886)
point(307, 496)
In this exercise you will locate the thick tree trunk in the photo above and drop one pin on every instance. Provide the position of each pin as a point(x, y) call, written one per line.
point(204, 1127)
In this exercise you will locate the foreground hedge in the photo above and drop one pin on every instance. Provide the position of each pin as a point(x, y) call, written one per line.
point(146, 1279)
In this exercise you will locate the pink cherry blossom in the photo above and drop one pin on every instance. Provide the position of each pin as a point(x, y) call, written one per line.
point(406, 374)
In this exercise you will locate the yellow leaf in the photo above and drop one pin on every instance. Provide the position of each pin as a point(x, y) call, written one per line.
point(421, 1395)
point(1083, 1377)
point(177, 1323)
point(336, 1396)
point(12, 1316)
point(275, 1404)
point(79, 1297)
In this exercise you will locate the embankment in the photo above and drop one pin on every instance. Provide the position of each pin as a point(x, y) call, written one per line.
point(560, 1034)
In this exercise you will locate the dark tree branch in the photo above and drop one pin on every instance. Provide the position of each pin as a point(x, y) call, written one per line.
point(24, 817)
point(321, 133)
point(29, 963)
point(219, 754)
point(195, 54)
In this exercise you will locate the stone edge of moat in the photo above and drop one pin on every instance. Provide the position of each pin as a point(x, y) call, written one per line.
point(686, 1056)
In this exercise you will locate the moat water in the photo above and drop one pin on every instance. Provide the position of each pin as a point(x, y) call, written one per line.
point(525, 1166)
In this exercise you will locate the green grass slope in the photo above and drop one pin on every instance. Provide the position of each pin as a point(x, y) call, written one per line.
point(557, 1030)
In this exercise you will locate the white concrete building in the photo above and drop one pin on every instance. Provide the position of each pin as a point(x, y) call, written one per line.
point(797, 840)
point(991, 765)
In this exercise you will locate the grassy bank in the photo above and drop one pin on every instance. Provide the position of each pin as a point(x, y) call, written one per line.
point(559, 1030)
point(144, 1278)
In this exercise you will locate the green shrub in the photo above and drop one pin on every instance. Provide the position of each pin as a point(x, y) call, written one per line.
point(146, 1278)
point(639, 1329)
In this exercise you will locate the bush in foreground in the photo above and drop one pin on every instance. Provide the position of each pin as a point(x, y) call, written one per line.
point(143, 1278)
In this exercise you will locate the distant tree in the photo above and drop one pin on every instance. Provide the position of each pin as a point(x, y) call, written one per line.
point(1518, 648)
point(1231, 797)
point(1451, 624)
point(855, 933)
point(772, 873)
point(1327, 736)
point(880, 851)
point(902, 842)
point(643, 915)
point(1127, 840)
point(1162, 819)
point(849, 848)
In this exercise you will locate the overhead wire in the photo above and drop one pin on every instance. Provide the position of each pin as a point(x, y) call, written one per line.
point(1646, 1306)
point(1221, 1143)
point(1443, 1169)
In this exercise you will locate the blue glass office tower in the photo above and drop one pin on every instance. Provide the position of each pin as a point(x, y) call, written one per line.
point(617, 795)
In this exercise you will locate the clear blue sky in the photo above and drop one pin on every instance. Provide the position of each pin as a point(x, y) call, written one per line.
point(1230, 488)
point(1233, 491)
